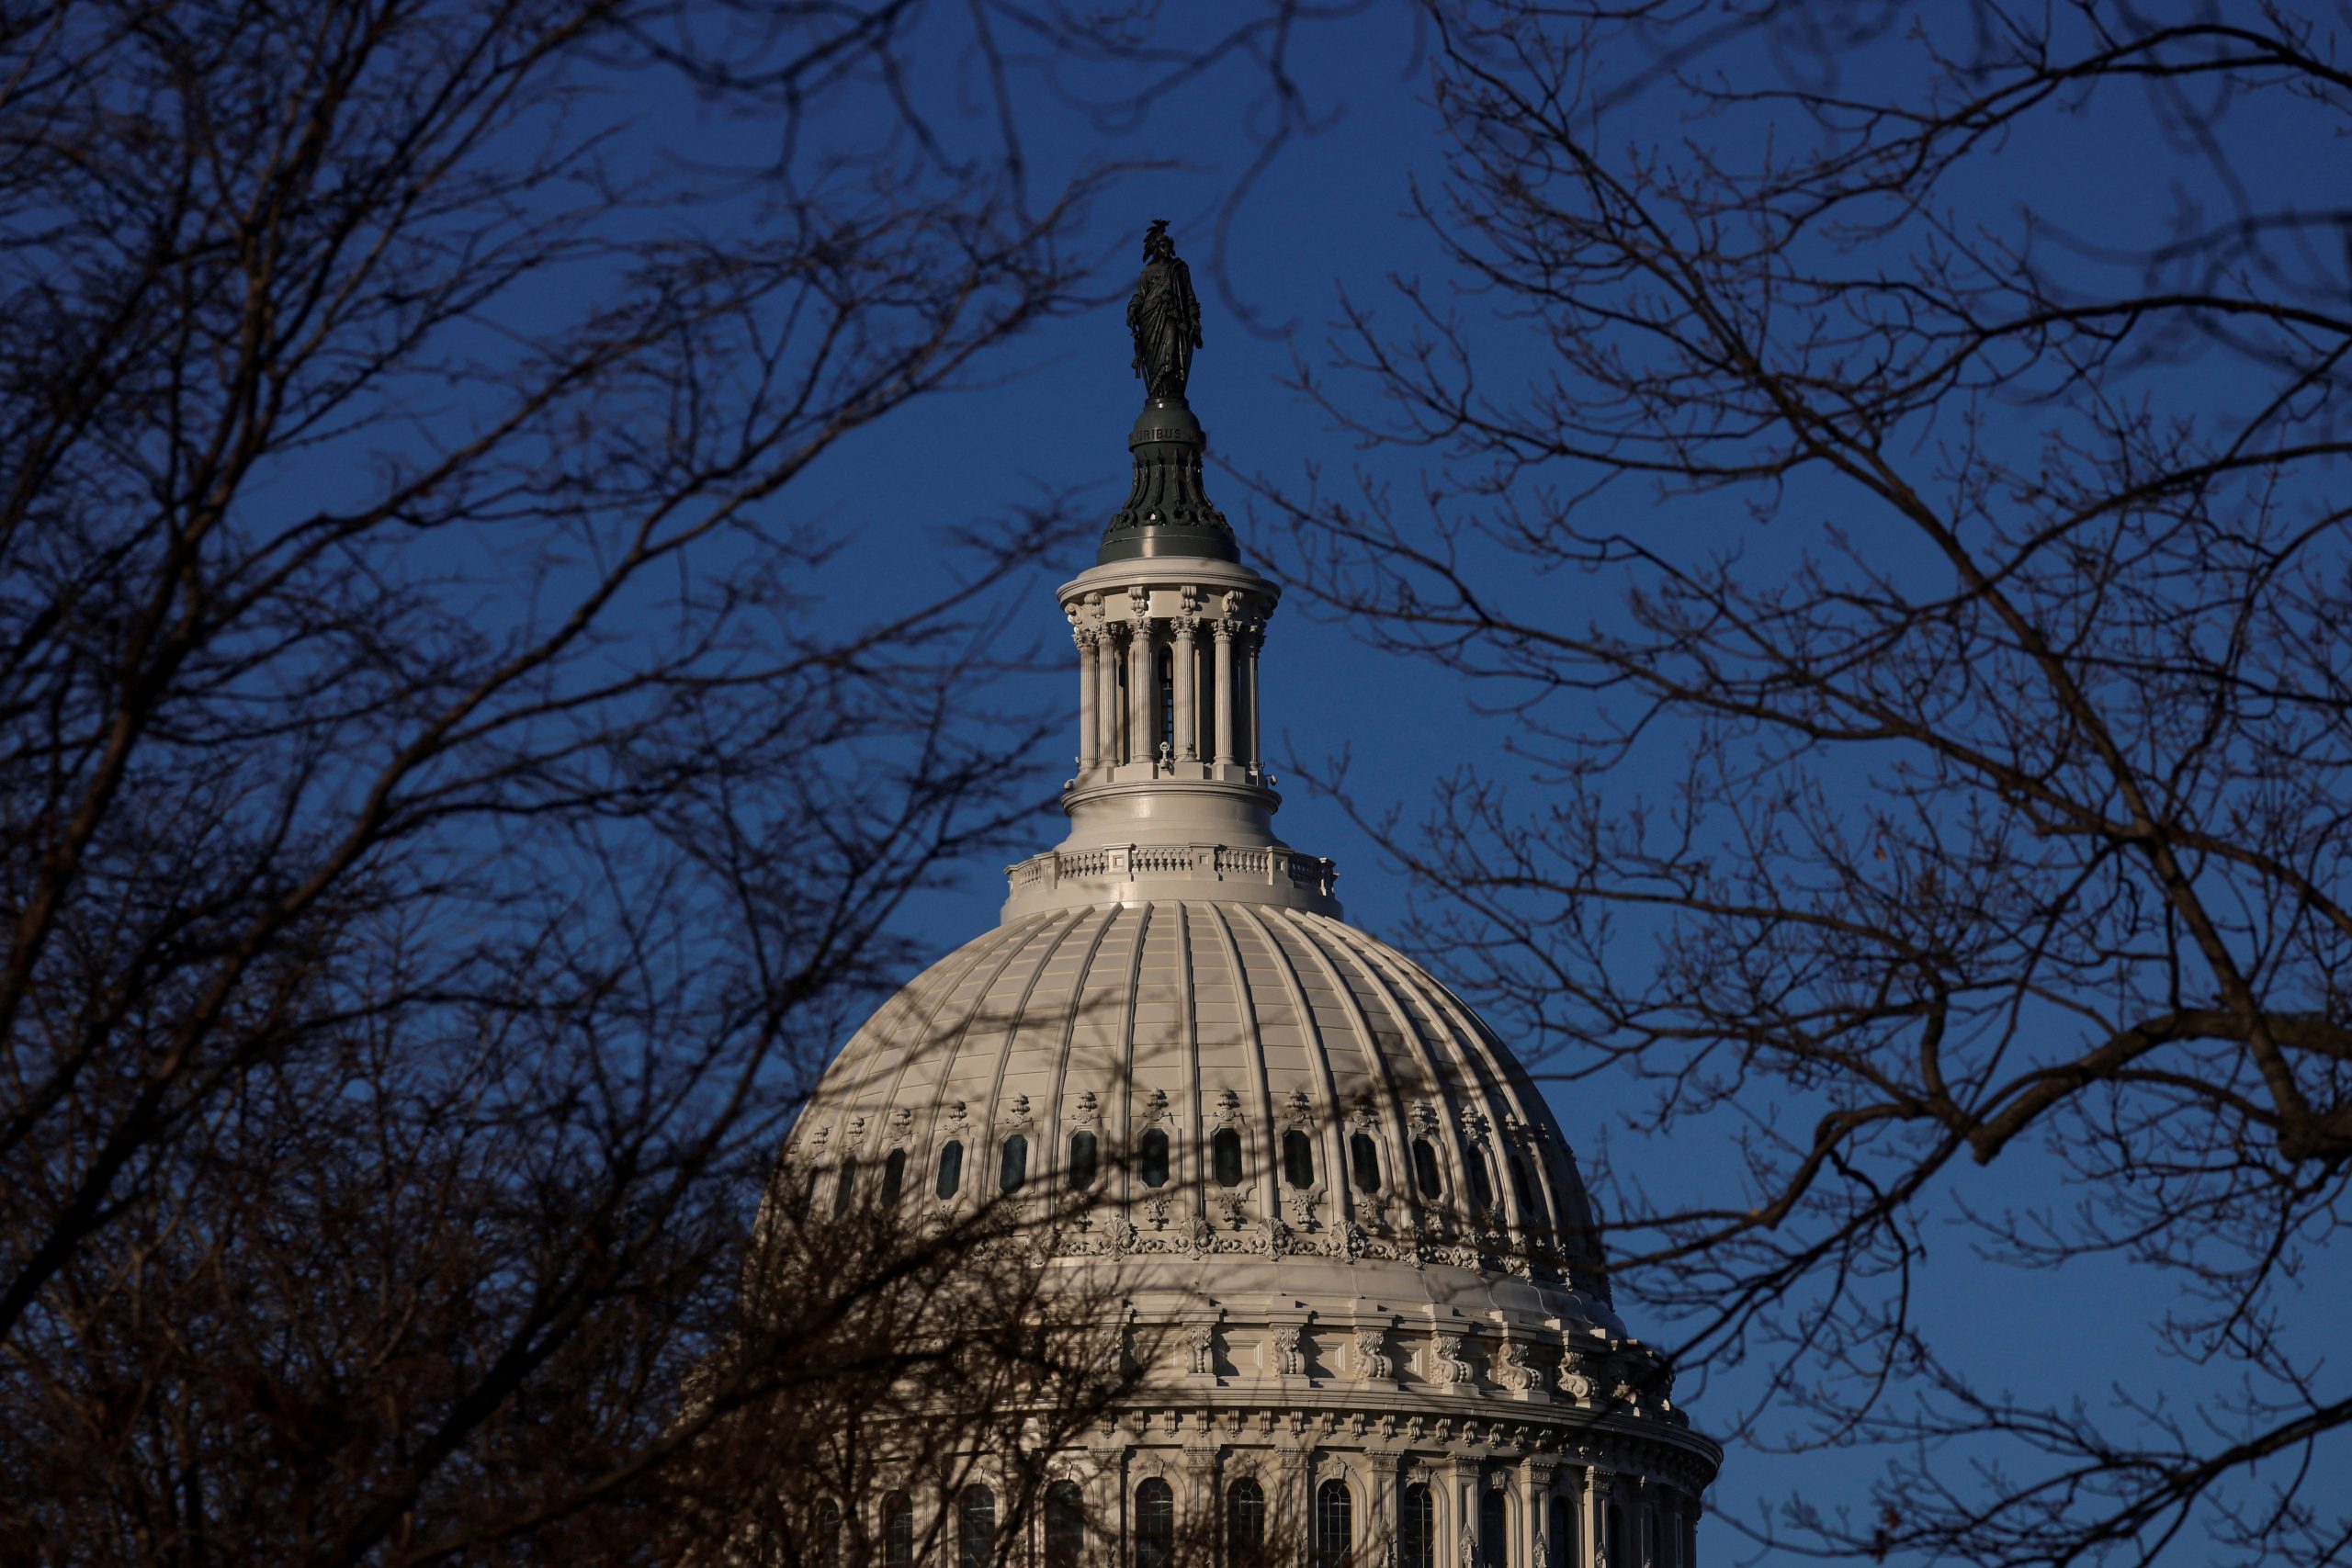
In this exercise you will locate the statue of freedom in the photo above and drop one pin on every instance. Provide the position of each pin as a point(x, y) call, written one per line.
point(1165, 317)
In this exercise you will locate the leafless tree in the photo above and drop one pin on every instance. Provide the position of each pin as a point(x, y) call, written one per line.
point(439, 836)
point(1999, 819)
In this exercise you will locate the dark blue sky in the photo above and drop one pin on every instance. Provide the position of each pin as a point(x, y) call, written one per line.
point(1330, 213)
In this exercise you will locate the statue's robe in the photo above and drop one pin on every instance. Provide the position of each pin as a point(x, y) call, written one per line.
point(1164, 314)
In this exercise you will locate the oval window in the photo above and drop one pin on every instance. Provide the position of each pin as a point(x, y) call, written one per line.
point(1013, 1168)
point(1224, 1157)
point(1425, 1168)
point(1151, 1158)
point(951, 1168)
point(1082, 1160)
point(1364, 1156)
point(894, 1175)
point(1482, 1186)
point(1298, 1160)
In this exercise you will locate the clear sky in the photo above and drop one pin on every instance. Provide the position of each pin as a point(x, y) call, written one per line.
point(1329, 212)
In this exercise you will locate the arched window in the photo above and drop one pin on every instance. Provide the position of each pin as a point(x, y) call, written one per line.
point(894, 1175)
point(1425, 1168)
point(1524, 1189)
point(1561, 1538)
point(1494, 1529)
point(1013, 1168)
point(1245, 1521)
point(1082, 1160)
point(1224, 1157)
point(1155, 1524)
point(1334, 1528)
point(1418, 1547)
point(1364, 1156)
point(1482, 1186)
point(1151, 1158)
point(844, 1187)
point(976, 1528)
point(1298, 1160)
point(826, 1549)
point(1065, 1525)
point(1613, 1532)
point(951, 1170)
point(897, 1530)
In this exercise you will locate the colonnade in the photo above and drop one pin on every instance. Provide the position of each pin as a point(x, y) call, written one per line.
point(1202, 733)
point(1555, 1513)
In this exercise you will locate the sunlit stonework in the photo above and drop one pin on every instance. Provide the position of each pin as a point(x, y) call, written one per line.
point(1338, 1203)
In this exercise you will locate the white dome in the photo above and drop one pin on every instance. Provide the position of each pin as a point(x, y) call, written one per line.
point(1425, 1141)
point(1298, 1152)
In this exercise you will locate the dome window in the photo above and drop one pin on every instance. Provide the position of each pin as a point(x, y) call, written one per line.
point(1418, 1549)
point(1082, 1160)
point(1298, 1160)
point(1151, 1158)
point(1155, 1524)
point(1482, 1186)
point(1524, 1189)
point(1494, 1530)
point(1364, 1155)
point(894, 1175)
point(1013, 1169)
point(977, 1535)
point(1224, 1157)
point(1245, 1521)
point(844, 1187)
point(899, 1530)
point(1425, 1168)
point(1065, 1525)
point(951, 1168)
point(1334, 1523)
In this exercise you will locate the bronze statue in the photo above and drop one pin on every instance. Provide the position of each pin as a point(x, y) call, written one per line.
point(1164, 314)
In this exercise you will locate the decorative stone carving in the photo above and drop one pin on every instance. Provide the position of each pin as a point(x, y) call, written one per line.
point(1372, 1360)
point(1289, 1361)
point(1448, 1366)
point(1155, 1106)
point(1575, 1377)
point(1200, 1340)
point(1512, 1370)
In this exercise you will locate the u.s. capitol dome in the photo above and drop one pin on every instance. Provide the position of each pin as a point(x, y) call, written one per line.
point(1325, 1183)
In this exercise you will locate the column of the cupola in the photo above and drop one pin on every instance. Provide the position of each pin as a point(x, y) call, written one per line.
point(1106, 701)
point(1187, 723)
point(1141, 726)
point(1222, 629)
point(1257, 635)
point(1089, 731)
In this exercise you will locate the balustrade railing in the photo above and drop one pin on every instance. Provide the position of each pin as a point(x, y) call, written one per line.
point(1215, 862)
